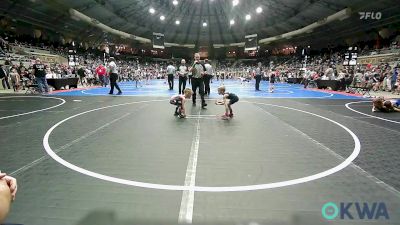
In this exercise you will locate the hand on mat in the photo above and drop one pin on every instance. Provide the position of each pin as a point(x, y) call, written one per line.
point(219, 102)
point(12, 184)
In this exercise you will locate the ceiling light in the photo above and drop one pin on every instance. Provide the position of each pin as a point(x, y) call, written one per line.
point(232, 22)
point(248, 17)
point(152, 11)
point(162, 17)
point(175, 2)
point(259, 10)
point(235, 2)
point(204, 24)
point(177, 22)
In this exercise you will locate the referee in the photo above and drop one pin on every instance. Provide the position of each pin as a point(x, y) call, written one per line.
point(113, 76)
point(258, 76)
point(183, 72)
point(207, 77)
point(198, 71)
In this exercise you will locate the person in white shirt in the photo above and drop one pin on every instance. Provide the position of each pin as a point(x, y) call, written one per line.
point(209, 73)
point(307, 77)
point(329, 73)
point(357, 78)
point(183, 73)
point(113, 76)
point(171, 70)
point(138, 78)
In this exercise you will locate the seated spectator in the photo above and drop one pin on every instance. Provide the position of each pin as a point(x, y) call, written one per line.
point(8, 191)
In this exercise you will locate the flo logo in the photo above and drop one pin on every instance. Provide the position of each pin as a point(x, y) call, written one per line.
point(370, 15)
point(355, 210)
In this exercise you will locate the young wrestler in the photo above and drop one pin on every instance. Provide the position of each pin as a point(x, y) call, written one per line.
point(228, 100)
point(382, 105)
point(272, 82)
point(179, 101)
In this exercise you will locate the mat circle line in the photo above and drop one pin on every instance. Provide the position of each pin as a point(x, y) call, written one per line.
point(35, 111)
point(376, 117)
point(344, 164)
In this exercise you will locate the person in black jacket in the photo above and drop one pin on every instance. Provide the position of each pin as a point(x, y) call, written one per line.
point(39, 70)
point(4, 77)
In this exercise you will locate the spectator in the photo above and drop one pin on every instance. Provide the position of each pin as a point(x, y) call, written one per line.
point(101, 73)
point(394, 78)
point(39, 70)
point(15, 79)
point(4, 77)
point(82, 75)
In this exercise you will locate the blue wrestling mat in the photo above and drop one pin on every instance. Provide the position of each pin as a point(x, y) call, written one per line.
point(159, 88)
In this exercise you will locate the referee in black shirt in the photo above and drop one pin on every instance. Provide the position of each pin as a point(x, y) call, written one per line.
point(198, 70)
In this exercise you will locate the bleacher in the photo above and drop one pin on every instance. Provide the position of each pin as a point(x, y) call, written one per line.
point(25, 54)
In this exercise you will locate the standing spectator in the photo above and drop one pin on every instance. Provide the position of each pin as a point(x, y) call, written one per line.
point(4, 77)
point(39, 70)
point(101, 73)
point(15, 79)
point(198, 71)
point(307, 77)
point(258, 76)
point(89, 76)
point(82, 75)
point(113, 76)
point(171, 70)
point(183, 73)
point(395, 76)
point(207, 77)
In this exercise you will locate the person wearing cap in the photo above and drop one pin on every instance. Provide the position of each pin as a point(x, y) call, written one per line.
point(39, 71)
point(113, 71)
point(209, 73)
point(183, 73)
point(198, 71)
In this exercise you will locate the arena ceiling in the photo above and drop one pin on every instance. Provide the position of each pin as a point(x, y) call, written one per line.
point(134, 17)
